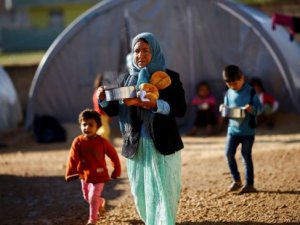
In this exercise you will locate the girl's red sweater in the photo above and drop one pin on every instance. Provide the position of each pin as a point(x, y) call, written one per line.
point(87, 160)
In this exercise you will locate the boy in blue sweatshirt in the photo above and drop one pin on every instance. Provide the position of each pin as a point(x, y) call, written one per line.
point(240, 130)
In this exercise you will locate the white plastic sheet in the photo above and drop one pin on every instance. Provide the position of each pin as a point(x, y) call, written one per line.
point(10, 108)
point(198, 37)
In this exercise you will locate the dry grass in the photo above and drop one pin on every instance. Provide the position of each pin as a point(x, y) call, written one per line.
point(21, 59)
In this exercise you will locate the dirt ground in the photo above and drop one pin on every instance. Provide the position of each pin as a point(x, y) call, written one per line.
point(33, 190)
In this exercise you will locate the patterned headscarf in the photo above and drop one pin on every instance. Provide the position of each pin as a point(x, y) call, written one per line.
point(157, 63)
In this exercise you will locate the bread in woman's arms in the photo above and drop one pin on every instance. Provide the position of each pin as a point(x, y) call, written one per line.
point(160, 79)
point(149, 88)
point(151, 96)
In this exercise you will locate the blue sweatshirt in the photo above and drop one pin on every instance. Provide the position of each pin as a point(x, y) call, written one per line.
point(240, 98)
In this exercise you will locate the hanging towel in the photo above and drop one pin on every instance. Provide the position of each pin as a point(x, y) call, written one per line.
point(292, 22)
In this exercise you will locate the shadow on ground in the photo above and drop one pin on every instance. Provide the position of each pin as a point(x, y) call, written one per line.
point(232, 223)
point(25, 200)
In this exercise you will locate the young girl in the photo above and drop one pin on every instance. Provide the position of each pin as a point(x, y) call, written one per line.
point(269, 103)
point(87, 161)
point(205, 104)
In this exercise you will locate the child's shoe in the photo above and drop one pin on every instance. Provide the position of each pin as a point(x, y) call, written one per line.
point(102, 211)
point(90, 222)
point(248, 188)
point(235, 186)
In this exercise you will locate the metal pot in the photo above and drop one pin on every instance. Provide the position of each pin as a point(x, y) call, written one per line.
point(233, 112)
point(119, 93)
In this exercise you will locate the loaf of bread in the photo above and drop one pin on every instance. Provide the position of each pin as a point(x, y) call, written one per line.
point(149, 88)
point(160, 79)
point(151, 96)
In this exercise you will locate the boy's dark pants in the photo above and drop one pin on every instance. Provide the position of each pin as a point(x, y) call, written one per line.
point(231, 147)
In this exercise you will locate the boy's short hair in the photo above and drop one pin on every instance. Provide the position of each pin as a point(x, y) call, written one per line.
point(232, 73)
point(90, 114)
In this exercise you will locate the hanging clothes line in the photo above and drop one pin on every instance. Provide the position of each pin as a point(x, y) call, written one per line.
point(292, 22)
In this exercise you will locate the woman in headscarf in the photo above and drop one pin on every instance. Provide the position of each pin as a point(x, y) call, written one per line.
point(152, 142)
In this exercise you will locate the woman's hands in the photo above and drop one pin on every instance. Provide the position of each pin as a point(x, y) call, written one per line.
point(138, 103)
point(149, 105)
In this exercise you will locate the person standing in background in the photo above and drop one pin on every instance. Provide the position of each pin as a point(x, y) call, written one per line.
point(104, 130)
point(269, 103)
point(205, 104)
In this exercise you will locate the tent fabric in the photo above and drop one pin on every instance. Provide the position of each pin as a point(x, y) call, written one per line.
point(10, 107)
point(198, 39)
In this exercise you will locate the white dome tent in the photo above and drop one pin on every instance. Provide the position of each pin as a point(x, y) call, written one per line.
point(10, 107)
point(198, 38)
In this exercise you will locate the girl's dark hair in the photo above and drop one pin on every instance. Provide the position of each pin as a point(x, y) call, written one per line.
point(90, 114)
point(232, 73)
point(202, 83)
point(258, 82)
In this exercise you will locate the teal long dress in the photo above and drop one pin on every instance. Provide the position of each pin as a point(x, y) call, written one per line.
point(155, 181)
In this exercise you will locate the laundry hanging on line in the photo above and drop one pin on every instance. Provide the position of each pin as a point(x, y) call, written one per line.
point(292, 22)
